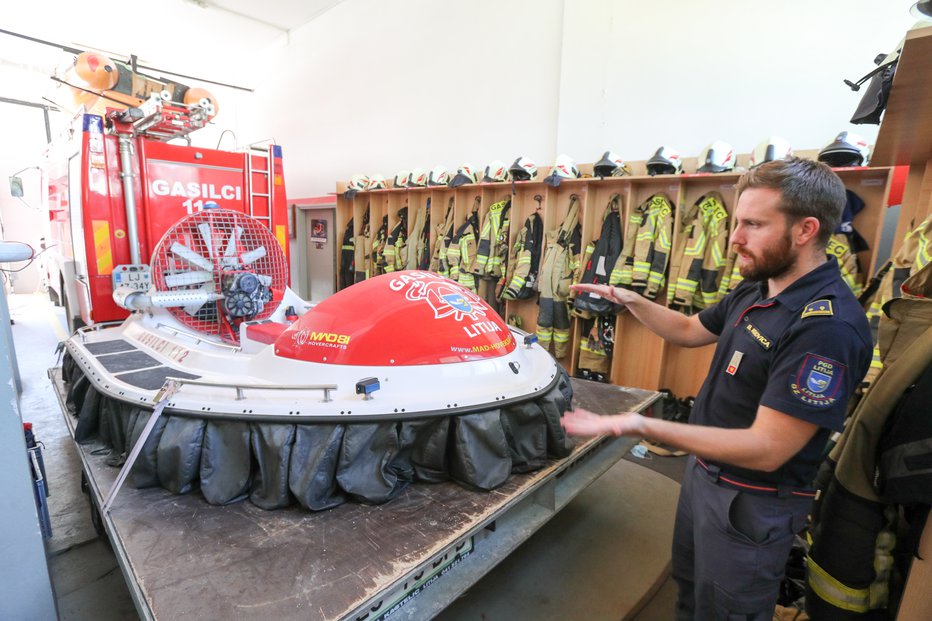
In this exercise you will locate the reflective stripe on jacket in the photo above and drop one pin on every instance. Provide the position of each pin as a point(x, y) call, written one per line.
point(395, 251)
point(492, 250)
point(697, 263)
point(524, 261)
point(651, 227)
point(444, 237)
point(561, 259)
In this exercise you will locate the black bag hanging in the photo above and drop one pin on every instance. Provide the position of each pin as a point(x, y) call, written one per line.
point(347, 257)
point(602, 261)
point(874, 100)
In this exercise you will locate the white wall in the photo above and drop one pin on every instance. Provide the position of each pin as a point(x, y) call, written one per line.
point(378, 86)
point(381, 85)
point(637, 75)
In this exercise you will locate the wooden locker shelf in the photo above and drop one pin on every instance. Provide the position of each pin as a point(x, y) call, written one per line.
point(641, 358)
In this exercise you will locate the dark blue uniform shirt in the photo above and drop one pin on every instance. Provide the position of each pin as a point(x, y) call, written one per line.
point(802, 353)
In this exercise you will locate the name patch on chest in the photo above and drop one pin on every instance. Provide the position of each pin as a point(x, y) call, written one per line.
point(818, 380)
point(735, 362)
point(758, 336)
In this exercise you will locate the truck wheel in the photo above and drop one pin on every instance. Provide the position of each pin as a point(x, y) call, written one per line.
point(73, 322)
point(96, 520)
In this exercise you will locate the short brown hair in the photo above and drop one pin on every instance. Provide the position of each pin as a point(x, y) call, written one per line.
point(807, 189)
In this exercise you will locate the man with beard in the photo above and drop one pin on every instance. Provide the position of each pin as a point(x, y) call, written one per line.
point(792, 344)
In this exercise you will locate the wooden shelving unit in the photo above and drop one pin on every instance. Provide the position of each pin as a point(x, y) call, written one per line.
point(641, 358)
point(905, 136)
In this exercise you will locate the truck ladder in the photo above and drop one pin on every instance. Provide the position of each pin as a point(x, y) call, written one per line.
point(266, 155)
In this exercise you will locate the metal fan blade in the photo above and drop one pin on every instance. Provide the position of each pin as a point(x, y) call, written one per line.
point(195, 277)
point(253, 255)
point(204, 228)
point(230, 252)
point(191, 257)
point(192, 309)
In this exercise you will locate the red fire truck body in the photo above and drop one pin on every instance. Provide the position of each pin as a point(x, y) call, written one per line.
point(98, 240)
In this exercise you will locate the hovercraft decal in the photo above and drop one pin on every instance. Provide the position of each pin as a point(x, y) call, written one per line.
point(398, 319)
point(444, 298)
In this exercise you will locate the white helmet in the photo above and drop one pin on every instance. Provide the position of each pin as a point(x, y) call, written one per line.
point(496, 171)
point(523, 169)
point(466, 173)
point(848, 149)
point(717, 157)
point(665, 161)
point(376, 182)
point(418, 178)
point(563, 168)
point(357, 183)
point(401, 179)
point(438, 176)
point(611, 165)
point(774, 148)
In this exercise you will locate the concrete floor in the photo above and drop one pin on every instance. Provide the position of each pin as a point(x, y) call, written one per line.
point(605, 556)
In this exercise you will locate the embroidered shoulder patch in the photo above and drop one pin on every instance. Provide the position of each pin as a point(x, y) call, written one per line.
point(818, 380)
point(819, 307)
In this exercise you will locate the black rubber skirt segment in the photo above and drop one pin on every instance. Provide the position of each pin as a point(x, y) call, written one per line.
point(321, 465)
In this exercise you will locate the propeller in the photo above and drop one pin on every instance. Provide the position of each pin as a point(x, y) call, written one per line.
point(214, 253)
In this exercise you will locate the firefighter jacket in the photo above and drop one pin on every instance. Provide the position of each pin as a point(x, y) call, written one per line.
point(395, 251)
point(347, 257)
point(599, 260)
point(521, 276)
point(419, 259)
point(362, 247)
point(731, 275)
point(913, 255)
point(699, 258)
point(855, 519)
point(378, 248)
point(492, 250)
point(839, 246)
point(461, 254)
point(646, 249)
point(445, 230)
point(558, 270)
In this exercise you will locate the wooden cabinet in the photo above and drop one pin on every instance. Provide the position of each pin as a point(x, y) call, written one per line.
point(905, 136)
point(641, 359)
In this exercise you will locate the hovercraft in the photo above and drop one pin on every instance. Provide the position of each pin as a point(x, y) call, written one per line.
point(404, 377)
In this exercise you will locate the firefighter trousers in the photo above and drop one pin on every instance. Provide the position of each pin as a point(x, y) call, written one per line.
point(553, 326)
point(730, 548)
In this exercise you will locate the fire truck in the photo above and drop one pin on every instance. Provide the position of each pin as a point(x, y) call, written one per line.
point(114, 185)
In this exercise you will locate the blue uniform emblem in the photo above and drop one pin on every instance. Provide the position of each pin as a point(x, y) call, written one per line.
point(457, 301)
point(817, 381)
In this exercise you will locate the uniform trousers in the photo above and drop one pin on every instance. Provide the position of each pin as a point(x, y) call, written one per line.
point(730, 548)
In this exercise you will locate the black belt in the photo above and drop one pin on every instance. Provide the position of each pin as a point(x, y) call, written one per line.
point(726, 479)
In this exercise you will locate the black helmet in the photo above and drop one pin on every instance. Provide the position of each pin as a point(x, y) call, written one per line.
point(611, 165)
point(848, 149)
point(665, 161)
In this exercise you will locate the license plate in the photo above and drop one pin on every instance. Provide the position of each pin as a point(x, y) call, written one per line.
point(132, 276)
